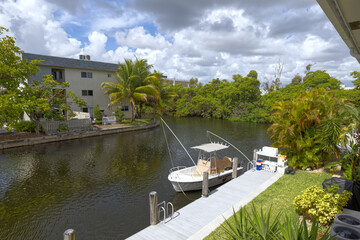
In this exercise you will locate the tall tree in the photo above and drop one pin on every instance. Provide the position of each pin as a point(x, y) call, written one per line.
point(321, 79)
point(130, 84)
point(356, 76)
point(13, 69)
point(47, 99)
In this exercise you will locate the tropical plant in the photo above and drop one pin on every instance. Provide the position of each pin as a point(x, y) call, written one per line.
point(130, 84)
point(256, 224)
point(351, 162)
point(253, 225)
point(118, 114)
point(317, 202)
point(97, 114)
point(309, 127)
point(293, 229)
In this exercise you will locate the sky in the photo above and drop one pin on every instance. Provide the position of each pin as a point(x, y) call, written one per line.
point(204, 39)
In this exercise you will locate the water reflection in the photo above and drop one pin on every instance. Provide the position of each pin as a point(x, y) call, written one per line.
point(99, 186)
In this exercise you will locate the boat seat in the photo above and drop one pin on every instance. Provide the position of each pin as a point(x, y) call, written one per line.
point(202, 166)
point(227, 162)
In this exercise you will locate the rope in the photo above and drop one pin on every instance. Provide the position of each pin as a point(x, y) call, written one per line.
point(229, 144)
point(167, 144)
point(178, 141)
point(172, 162)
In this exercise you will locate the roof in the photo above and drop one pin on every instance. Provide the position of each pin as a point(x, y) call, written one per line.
point(70, 62)
point(345, 17)
point(211, 147)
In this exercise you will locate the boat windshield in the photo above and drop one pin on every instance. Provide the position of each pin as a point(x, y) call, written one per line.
point(211, 147)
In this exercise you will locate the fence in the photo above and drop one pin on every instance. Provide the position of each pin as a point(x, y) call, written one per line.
point(51, 127)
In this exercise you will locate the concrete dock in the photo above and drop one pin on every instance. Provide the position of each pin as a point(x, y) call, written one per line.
point(199, 218)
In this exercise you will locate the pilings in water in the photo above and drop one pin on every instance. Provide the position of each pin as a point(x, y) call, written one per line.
point(153, 198)
point(235, 166)
point(205, 184)
point(69, 234)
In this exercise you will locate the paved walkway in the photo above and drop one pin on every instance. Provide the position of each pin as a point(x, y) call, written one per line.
point(201, 217)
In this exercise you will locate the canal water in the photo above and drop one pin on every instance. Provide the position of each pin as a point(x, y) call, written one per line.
point(100, 186)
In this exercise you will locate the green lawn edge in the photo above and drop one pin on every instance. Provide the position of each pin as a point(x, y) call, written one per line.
point(279, 196)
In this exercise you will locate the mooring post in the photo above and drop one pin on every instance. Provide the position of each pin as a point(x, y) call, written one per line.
point(69, 234)
point(205, 184)
point(235, 166)
point(153, 208)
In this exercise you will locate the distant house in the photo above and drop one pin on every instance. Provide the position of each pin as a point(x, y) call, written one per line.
point(85, 77)
point(184, 83)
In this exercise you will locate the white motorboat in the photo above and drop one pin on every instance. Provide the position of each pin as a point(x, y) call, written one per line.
point(191, 178)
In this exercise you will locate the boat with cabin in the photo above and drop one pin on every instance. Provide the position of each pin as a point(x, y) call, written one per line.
point(219, 169)
point(210, 159)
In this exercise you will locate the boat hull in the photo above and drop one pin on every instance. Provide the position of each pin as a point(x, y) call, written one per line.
point(196, 184)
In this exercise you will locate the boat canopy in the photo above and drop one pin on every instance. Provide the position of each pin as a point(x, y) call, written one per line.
point(211, 147)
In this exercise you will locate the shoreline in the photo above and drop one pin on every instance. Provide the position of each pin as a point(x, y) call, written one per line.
point(73, 135)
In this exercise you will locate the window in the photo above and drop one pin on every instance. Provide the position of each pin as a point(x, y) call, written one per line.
point(87, 92)
point(124, 108)
point(85, 110)
point(86, 74)
point(57, 74)
point(109, 75)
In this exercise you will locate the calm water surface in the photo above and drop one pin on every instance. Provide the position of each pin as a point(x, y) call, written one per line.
point(99, 186)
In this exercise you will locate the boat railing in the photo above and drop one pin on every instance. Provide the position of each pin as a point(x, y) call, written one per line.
point(174, 169)
point(250, 165)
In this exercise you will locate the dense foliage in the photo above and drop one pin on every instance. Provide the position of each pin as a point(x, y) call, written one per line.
point(308, 128)
point(318, 202)
point(24, 126)
point(47, 99)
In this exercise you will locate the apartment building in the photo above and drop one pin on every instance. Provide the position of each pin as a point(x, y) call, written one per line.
point(85, 77)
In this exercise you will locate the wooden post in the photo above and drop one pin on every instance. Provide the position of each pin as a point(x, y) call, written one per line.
point(69, 234)
point(153, 208)
point(235, 165)
point(205, 184)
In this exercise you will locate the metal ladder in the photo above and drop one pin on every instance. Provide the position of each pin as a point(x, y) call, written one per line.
point(163, 211)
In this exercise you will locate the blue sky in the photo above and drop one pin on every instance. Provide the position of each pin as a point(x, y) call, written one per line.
point(190, 38)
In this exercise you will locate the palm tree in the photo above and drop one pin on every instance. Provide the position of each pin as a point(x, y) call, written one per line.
point(163, 91)
point(130, 84)
point(309, 128)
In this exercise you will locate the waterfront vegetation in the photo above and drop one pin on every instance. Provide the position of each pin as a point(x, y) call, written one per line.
point(279, 198)
point(46, 99)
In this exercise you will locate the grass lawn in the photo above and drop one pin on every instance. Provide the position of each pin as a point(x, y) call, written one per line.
point(280, 195)
point(137, 121)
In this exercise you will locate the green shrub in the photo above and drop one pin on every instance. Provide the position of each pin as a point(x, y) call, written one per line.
point(97, 114)
point(62, 127)
point(25, 126)
point(320, 203)
point(118, 114)
point(260, 224)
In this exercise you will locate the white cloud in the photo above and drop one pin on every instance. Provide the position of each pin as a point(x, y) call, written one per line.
point(138, 38)
point(202, 39)
point(32, 23)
